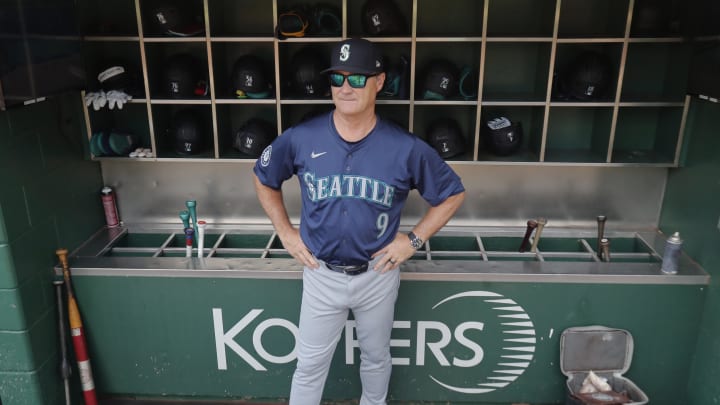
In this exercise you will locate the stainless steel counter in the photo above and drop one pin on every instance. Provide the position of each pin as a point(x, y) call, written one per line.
point(564, 255)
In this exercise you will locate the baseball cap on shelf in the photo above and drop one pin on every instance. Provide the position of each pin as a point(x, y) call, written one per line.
point(355, 55)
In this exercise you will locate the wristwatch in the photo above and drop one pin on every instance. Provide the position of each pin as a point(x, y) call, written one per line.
point(415, 242)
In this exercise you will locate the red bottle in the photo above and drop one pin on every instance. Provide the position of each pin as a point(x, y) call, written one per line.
point(111, 213)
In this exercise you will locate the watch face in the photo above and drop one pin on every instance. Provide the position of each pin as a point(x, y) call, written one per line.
point(415, 242)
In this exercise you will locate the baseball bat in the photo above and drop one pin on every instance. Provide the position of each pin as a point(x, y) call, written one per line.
point(601, 232)
point(201, 238)
point(605, 249)
point(192, 207)
point(531, 225)
point(185, 218)
point(189, 232)
point(65, 369)
point(540, 225)
point(78, 335)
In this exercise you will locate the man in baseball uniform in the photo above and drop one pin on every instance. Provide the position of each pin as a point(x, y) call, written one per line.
point(355, 172)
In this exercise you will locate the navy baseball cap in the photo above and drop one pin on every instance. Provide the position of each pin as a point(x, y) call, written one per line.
point(355, 55)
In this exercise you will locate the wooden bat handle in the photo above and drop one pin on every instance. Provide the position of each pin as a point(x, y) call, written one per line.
point(531, 225)
point(62, 255)
point(605, 250)
point(601, 231)
point(541, 222)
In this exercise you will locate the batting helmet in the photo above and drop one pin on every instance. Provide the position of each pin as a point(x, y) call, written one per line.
point(249, 78)
point(440, 80)
point(254, 136)
point(587, 77)
point(171, 19)
point(307, 79)
point(383, 17)
point(187, 132)
point(183, 78)
point(445, 136)
point(501, 136)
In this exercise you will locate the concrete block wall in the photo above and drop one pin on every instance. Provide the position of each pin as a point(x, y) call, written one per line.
point(49, 198)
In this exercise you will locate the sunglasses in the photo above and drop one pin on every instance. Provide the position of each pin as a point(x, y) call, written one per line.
point(355, 80)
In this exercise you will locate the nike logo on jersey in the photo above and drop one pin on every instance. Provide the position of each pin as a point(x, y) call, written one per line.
point(314, 155)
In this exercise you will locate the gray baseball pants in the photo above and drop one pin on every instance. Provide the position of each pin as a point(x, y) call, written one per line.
point(327, 297)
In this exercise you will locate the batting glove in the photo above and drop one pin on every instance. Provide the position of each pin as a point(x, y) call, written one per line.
point(119, 98)
point(96, 99)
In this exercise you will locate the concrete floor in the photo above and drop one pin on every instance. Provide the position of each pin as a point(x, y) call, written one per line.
point(143, 401)
point(133, 401)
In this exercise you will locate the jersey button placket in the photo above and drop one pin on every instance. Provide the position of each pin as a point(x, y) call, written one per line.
point(345, 219)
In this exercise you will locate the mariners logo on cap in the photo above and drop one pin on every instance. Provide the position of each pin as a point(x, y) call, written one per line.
point(345, 52)
point(445, 82)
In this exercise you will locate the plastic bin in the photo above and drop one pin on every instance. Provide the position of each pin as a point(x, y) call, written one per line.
point(605, 351)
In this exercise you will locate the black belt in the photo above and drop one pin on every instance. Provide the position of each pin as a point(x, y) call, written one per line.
point(352, 270)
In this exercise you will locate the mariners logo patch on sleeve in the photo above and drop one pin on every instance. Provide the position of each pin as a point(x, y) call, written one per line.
point(265, 157)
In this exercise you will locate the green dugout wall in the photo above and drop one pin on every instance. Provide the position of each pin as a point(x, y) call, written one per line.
point(473, 342)
point(692, 207)
point(48, 197)
point(27, 320)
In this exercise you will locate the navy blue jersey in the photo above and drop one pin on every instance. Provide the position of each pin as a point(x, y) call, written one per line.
point(353, 192)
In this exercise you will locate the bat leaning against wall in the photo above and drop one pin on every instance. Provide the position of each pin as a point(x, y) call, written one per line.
point(78, 336)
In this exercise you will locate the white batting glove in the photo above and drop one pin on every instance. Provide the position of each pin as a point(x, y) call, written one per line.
point(95, 99)
point(119, 98)
point(99, 100)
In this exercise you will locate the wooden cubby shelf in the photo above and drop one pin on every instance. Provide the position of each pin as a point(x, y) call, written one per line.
point(514, 53)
